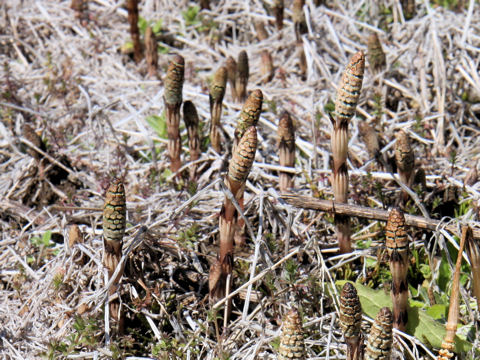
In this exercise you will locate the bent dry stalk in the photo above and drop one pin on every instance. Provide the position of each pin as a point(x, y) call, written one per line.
point(190, 117)
point(242, 75)
point(396, 242)
point(448, 344)
point(286, 150)
point(173, 101)
point(346, 101)
point(292, 343)
point(351, 321)
point(217, 92)
point(238, 170)
point(114, 220)
point(379, 344)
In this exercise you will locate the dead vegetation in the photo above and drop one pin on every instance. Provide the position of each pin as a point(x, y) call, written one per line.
point(81, 105)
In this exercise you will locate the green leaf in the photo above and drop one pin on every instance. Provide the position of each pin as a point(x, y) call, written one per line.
point(190, 15)
point(438, 311)
point(142, 25)
point(420, 324)
point(158, 124)
point(157, 26)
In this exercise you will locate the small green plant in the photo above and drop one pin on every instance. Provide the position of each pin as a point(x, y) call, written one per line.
point(44, 241)
point(158, 124)
point(291, 267)
point(191, 16)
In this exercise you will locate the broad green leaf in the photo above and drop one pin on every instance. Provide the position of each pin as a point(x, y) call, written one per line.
point(438, 311)
point(420, 324)
point(157, 26)
point(158, 124)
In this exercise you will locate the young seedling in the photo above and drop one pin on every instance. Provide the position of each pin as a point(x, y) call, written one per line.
point(151, 53)
point(473, 251)
point(286, 150)
point(375, 54)
point(173, 101)
point(379, 344)
point(292, 343)
point(346, 101)
point(248, 117)
point(114, 217)
point(238, 170)
point(242, 75)
point(232, 76)
point(190, 117)
point(132, 8)
point(278, 9)
point(267, 66)
point(448, 344)
point(351, 321)
point(396, 242)
point(217, 92)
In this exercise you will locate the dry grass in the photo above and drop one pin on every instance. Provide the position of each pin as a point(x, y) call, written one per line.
point(90, 104)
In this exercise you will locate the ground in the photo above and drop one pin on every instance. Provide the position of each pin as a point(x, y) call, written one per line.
point(70, 87)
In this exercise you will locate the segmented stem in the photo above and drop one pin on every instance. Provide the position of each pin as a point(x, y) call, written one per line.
point(217, 92)
point(151, 52)
point(396, 242)
point(292, 343)
point(278, 9)
point(379, 344)
point(232, 77)
point(266, 67)
point(173, 101)
point(190, 117)
point(114, 220)
point(376, 56)
point(132, 8)
point(286, 149)
point(404, 158)
point(473, 251)
point(448, 344)
point(299, 20)
point(242, 75)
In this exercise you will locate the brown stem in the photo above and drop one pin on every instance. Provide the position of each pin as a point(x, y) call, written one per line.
point(286, 149)
point(132, 8)
point(151, 52)
point(266, 68)
point(396, 242)
point(419, 222)
point(473, 251)
point(190, 117)
point(173, 101)
point(242, 75)
point(217, 92)
point(232, 77)
point(454, 309)
point(278, 10)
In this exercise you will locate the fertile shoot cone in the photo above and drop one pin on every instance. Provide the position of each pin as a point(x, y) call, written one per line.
point(173, 101)
point(379, 345)
point(217, 92)
point(292, 343)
